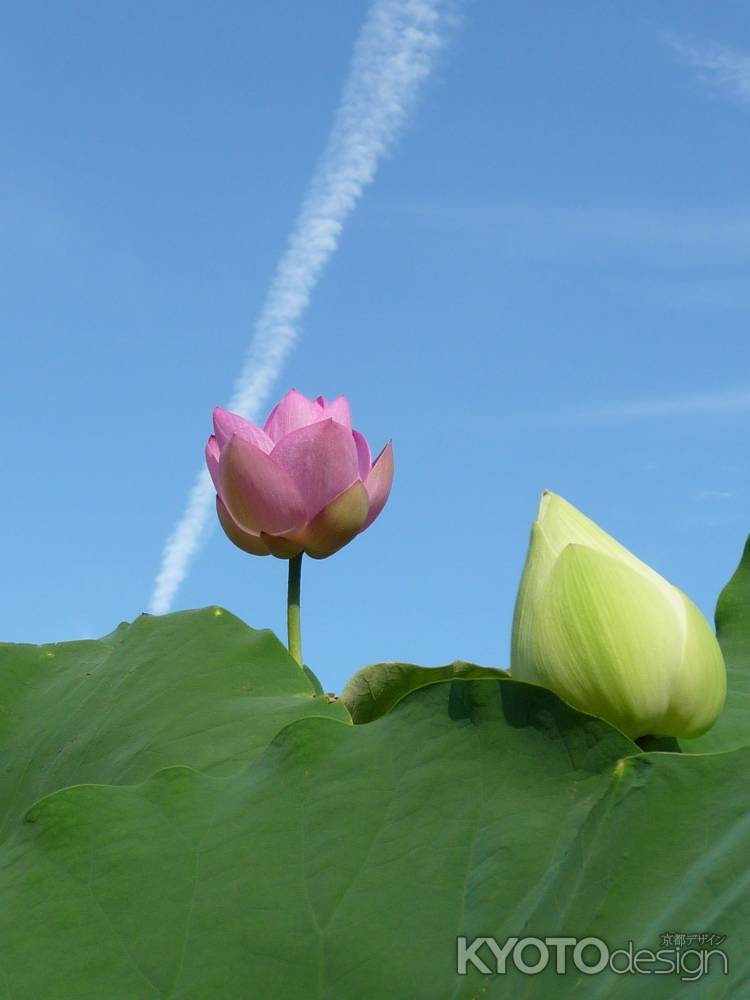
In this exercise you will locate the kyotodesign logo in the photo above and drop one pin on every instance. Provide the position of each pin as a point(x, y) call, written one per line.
point(688, 956)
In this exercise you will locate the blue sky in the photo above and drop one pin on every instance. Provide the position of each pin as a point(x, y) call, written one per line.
point(545, 286)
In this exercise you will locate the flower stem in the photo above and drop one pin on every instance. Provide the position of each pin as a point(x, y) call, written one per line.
point(292, 608)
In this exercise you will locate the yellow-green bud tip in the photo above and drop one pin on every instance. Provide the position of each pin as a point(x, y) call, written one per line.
point(609, 635)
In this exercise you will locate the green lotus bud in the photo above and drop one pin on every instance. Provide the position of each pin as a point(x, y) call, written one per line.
point(609, 635)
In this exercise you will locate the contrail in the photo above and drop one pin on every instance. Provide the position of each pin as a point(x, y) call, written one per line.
point(393, 55)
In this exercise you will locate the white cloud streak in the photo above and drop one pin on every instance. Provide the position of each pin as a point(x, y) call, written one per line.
point(393, 55)
point(730, 401)
point(723, 68)
point(703, 495)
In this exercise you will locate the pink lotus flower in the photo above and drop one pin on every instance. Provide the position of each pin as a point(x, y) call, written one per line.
point(305, 483)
